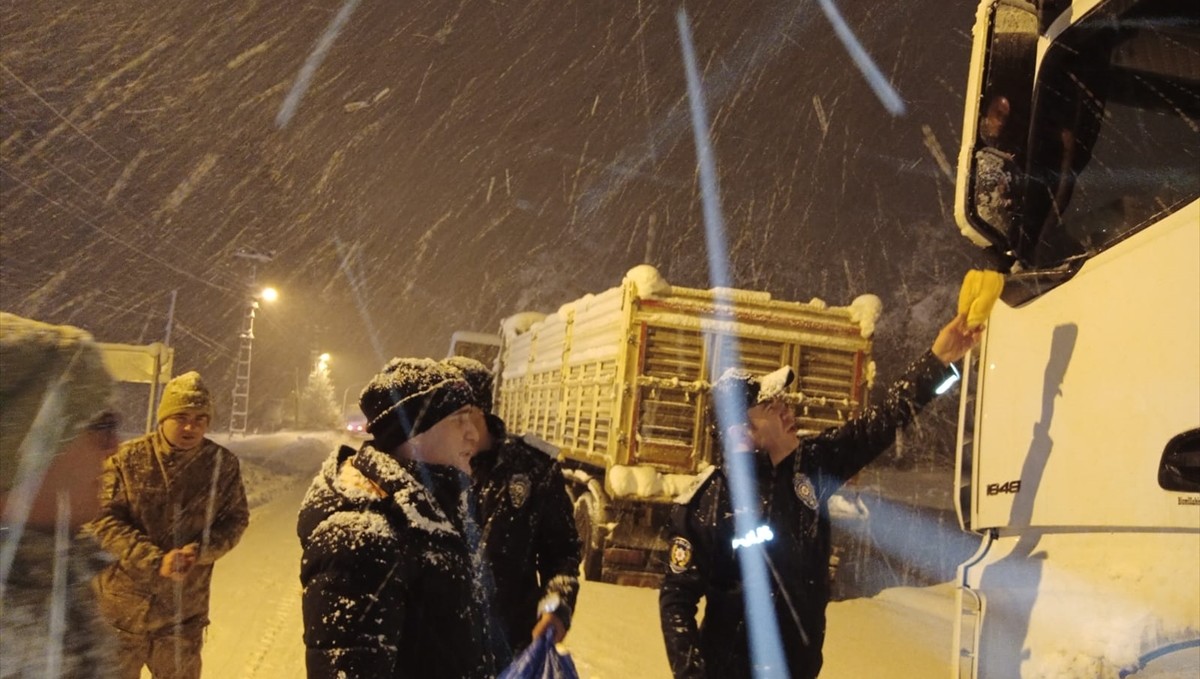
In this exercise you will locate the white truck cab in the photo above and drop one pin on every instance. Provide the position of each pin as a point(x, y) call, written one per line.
point(1079, 441)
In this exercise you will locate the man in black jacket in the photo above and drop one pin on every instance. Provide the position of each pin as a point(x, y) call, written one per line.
point(792, 483)
point(528, 538)
point(390, 584)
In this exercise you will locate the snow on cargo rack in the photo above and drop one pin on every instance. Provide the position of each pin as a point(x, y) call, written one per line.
point(619, 381)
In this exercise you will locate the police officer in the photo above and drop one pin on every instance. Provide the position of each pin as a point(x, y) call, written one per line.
point(528, 538)
point(793, 482)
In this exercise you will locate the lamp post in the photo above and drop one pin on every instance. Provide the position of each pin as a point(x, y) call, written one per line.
point(240, 410)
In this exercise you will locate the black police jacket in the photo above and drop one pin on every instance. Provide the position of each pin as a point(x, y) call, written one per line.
point(390, 588)
point(793, 533)
point(528, 536)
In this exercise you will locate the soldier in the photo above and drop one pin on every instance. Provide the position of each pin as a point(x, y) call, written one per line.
point(794, 480)
point(528, 535)
point(172, 503)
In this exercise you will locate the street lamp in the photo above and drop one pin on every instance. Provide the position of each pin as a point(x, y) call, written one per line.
point(241, 387)
point(240, 411)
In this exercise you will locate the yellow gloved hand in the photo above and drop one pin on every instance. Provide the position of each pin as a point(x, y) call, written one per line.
point(979, 292)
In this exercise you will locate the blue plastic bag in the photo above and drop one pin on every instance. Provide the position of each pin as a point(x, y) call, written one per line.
point(541, 661)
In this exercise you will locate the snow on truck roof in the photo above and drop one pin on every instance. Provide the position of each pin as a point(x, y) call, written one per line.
point(648, 283)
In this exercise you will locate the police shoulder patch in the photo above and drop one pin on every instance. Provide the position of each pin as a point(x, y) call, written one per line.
point(805, 491)
point(681, 555)
point(518, 489)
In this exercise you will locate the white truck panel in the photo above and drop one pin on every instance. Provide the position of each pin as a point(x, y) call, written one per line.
point(1126, 332)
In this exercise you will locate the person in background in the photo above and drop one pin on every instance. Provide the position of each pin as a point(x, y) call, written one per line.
point(54, 436)
point(794, 480)
point(172, 504)
point(530, 546)
point(390, 583)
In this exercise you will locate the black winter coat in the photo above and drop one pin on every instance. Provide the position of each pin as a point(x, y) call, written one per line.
point(793, 497)
point(528, 534)
point(389, 584)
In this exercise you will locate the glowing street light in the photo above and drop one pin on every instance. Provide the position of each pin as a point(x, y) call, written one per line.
point(240, 411)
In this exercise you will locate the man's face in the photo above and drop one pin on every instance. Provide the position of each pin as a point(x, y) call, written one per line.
point(772, 427)
point(186, 429)
point(453, 441)
point(75, 471)
point(479, 421)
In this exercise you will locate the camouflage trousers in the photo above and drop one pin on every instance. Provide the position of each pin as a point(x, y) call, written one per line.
point(171, 654)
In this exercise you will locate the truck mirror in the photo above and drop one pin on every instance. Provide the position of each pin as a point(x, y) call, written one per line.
point(996, 128)
point(1179, 469)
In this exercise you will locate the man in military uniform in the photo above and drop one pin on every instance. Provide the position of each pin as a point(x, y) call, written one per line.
point(172, 503)
point(528, 539)
point(793, 482)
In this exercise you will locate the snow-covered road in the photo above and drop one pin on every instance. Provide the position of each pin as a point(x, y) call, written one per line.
point(256, 632)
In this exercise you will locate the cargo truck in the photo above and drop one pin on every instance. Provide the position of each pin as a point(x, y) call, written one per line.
point(619, 382)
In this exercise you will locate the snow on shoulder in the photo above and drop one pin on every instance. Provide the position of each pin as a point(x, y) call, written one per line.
point(540, 444)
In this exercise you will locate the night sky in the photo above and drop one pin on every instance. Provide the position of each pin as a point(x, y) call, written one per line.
point(451, 164)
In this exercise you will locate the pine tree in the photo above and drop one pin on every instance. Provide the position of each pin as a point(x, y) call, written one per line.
point(318, 409)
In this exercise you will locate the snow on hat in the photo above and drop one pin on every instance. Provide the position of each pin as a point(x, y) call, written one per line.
point(409, 396)
point(752, 389)
point(52, 381)
point(185, 392)
point(478, 376)
point(741, 387)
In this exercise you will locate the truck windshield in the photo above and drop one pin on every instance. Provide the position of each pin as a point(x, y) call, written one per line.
point(1114, 140)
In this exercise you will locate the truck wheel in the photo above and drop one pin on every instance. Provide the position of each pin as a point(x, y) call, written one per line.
point(589, 535)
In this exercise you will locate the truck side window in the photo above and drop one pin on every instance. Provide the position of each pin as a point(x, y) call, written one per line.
point(1115, 138)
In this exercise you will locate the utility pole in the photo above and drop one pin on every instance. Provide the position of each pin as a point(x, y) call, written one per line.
point(240, 410)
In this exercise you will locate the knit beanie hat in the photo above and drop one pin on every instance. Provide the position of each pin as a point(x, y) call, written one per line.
point(185, 392)
point(478, 376)
point(408, 397)
point(52, 381)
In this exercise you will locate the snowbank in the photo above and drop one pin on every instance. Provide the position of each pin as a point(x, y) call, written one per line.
point(273, 462)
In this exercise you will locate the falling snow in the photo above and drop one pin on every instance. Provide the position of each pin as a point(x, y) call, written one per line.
point(425, 168)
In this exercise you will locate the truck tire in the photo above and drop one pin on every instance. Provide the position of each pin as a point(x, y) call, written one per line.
point(587, 523)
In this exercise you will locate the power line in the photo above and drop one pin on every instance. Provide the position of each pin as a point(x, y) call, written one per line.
point(116, 239)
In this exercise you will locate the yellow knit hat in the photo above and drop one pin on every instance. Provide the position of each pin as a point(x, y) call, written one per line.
point(185, 392)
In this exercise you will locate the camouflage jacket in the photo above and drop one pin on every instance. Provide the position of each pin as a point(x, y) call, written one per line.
point(28, 601)
point(155, 499)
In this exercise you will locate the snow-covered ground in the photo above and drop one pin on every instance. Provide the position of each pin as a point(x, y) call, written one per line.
point(902, 633)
